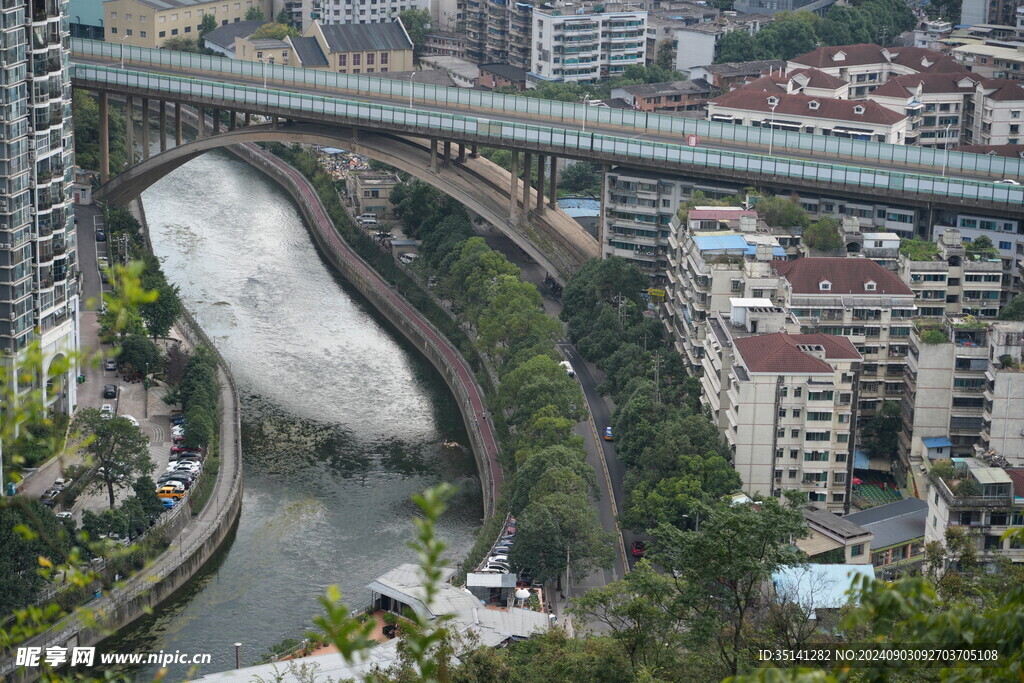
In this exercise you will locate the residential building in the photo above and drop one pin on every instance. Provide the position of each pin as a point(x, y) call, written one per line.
point(662, 25)
point(672, 96)
point(148, 23)
point(266, 50)
point(708, 265)
point(929, 33)
point(501, 76)
point(898, 530)
point(865, 120)
point(986, 509)
point(776, 6)
point(862, 301)
point(371, 191)
point(86, 19)
point(944, 394)
point(952, 282)
point(1006, 236)
point(463, 72)
point(354, 11)
point(587, 46)
point(1002, 430)
point(833, 534)
point(697, 45)
point(999, 12)
point(39, 297)
point(866, 66)
point(363, 49)
point(639, 208)
point(222, 39)
point(729, 75)
point(997, 116)
point(939, 106)
point(881, 247)
point(991, 61)
point(445, 43)
point(783, 402)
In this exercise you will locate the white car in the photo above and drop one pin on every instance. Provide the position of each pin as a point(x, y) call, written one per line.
point(1007, 181)
point(131, 419)
point(106, 411)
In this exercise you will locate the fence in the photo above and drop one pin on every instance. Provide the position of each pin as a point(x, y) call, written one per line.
point(570, 143)
point(463, 99)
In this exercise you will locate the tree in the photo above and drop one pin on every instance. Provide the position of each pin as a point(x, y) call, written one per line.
point(981, 247)
point(552, 458)
point(737, 46)
point(140, 353)
point(208, 24)
point(28, 532)
point(275, 31)
point(722, 569)
point(537, 383)
point(824, 234)
point(116, 445)
point(581, 178)
point(182, 44)
point(145, 493)
point(160, 315)
point(880, 434)
point(779, 212)
point(87, 133)
point(255, 13)
point(666, 54)
point(416, 23)
point(1014, 310)
point(678, 499)
point(283, 17)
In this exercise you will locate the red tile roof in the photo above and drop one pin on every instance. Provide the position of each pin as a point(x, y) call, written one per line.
point(818, 79)
point(996, 150)
point(905, 86)
point(772, 84)
point(917, 58)
point(1016, 475)
point(846, 275)
point(780, 352)
point(800, 105)
point(1004, 90)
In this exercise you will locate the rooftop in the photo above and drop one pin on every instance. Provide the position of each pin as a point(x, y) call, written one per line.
point(905, 86)
point(752, 97)
point(308, 52)
point(506, 71)
point(783, 353)
point(838, 526)
point(918, 58)
point(365, 37)
point(718, 213)
point(224, 36)
point(842, 276)
point(669, 88)
point(732, 69)
point(736, 242)
point(893, 523)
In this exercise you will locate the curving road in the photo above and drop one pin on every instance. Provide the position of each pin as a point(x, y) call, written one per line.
point(325, 227)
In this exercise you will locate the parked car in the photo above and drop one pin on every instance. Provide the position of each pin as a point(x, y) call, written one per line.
point(172, 492)
point(106, 411)
point(49, 497)
point(608, 436)
point(185, 482)
point(100, 235)
point(109, 391)
point(102, 262)
point(135, 423)
point(1007, 181)
point(168, 502)
point(637, 548)
point(110, 364)
point(65, 515)
point(60, 483)
point(179, 449)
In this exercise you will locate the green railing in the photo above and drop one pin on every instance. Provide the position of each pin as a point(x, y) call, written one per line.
point(570, 143)
point(458, 98)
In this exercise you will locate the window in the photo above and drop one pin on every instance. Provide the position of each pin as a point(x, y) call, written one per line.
point(857, 550)
point(174, 31)
point(794, 453)
point(357, 59)
point(342, 60)
point(798, 392)
point(370, 58)
point(162, 34)
point(127, 17)
point(782, 412)
point(113, 15)
point(113, 30)
point(825, 285)
point(1005, 245)
point(383, 58)
point(781, 433)
point(188, 29)
point(796, 412)
point(161, 19)
point(174, 17)
point(128, 31)
point(142, 34)
point(839, 478)
point(870, 286)
point(795, 433)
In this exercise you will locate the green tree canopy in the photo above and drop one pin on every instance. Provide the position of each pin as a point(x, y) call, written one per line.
point(581, 178)
point(140, 353)
point(254, 13)
point(823, 234)
point(116, 445)
point(880, 435)
point(28, 532)
point(208, 23)
point(1014, 310)
point(161, 314)
point(276, 31)
point(417, 24)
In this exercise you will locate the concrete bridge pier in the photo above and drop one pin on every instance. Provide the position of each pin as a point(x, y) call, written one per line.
point(163, 125)
point(553, 202)
point(246, 119)
point(275, 122)
point(527, 172)
point(177, 124)
point(462, 153)
point(472, 151)
point(216, 121)
point(104, 137)
point(200, 123)
point(129, 134)
point(433, 155)
point(145, 128)
point(540, 183)
point(232, 120)
point(513, 187)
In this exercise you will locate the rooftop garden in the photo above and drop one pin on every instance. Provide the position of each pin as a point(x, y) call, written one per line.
point(918, 250)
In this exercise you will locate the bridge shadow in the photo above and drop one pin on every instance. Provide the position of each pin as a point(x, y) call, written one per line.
point(551, 237)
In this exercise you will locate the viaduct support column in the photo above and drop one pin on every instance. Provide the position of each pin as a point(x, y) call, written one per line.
point(145, 128)
point(433, 155)
point(275, 123)
point(201, 123)
point(472, 151)
point(540, 183)
point(216, 121)
point(247, 118)
point(163, 125)
point(605, 169)
point(513, 186)
point(527, 172)
point(233, 120)
point(462, 153)
point(129, 132)
point(177, 123)
point(104, 138)
point(553, 202)
point(447, 152)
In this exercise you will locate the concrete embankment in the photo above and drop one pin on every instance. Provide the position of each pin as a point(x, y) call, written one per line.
point(427, 339)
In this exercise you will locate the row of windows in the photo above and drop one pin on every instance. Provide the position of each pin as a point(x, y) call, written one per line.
point(188, 15)
point(357, 59)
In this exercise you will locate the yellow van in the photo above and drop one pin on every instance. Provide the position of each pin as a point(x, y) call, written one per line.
point(172, 492)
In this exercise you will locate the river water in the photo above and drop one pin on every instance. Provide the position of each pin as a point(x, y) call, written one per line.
point(342, 420)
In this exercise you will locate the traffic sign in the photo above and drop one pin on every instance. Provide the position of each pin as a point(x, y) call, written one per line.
point(692, 140)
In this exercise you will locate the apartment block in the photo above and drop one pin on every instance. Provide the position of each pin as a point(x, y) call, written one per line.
point(38, 251)
point(698, 44)
point(991, 505)
point(354, 11)
point(992, 61)
point(938, 106)
point(639, 208)
point(952, 282)
point(587, 46)
point(1007, 237)
point(148, 23)
point(997, 115)
point(370, 192)
point(858, 299)
point(1002, 420)
point(708, 266)
point(783, 402)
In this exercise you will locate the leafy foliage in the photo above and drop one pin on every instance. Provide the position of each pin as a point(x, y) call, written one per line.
point(880, 435)
point(417, 24)
point(581, 178)
point(918, 250)
point(1014, 310)
point(276, 31)
point(87, 133)
point(824, 234)
point(255, 13)
point(117, 446)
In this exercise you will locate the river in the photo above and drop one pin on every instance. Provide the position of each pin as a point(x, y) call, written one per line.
point(342, 420)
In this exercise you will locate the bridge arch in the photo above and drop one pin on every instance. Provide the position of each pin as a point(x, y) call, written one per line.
point(557, 242)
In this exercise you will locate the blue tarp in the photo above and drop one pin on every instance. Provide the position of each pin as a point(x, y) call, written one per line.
point(861, 460)
point(937, 442)
point(579, 207)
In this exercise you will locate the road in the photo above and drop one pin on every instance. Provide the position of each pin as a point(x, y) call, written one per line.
point(496, 115)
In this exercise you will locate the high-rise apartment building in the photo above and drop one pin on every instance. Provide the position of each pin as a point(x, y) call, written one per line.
point(38, 265)
point(587, 46)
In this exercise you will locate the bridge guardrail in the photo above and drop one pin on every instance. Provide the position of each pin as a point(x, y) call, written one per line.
point(459, 98)
point(618, 149)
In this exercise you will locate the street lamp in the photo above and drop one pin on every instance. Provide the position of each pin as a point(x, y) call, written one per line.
point(586, 105)
point(945, 156)
point(263, 61)
point(411, 76)
point(771, 125)
point(122, 50)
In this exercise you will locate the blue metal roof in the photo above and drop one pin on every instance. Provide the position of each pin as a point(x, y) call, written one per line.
point(937, 442)
point(861, 460)
point(731, 243)
point(578, 207)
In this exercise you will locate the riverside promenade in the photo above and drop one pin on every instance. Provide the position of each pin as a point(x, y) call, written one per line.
point(410, 322)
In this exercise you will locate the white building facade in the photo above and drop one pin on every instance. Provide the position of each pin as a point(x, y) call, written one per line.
point(585, 48)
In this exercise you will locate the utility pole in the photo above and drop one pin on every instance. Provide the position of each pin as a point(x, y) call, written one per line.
point(657, 378)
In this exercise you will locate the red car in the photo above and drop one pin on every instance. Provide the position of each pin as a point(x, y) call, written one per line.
point(638, 548)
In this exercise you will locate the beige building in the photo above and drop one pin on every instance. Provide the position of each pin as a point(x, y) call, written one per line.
point(267, 50)
point(1002, 418)
point(148, 23)
point(371, 191)
point(784, 403)
point(952, 283)
point(357, 48)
